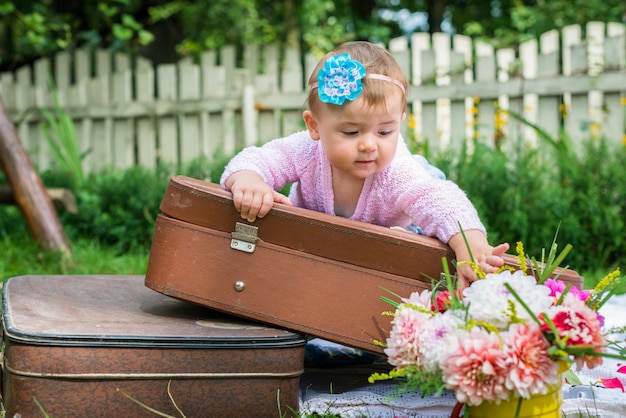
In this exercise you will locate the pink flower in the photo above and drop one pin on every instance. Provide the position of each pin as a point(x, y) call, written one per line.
point(558, 286)
point(476, 368)
point(403, 342)
point(612, 383)
point(420, 299)
point(531, 370)
point(621, 369)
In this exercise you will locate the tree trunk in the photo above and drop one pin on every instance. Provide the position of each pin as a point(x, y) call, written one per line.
point(436, 9)
point(28, 189)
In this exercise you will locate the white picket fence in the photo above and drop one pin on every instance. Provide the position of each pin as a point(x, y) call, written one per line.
point(127, 111)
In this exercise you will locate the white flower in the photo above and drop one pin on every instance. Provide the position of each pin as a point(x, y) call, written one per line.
point(433, 339)
point(489, 299)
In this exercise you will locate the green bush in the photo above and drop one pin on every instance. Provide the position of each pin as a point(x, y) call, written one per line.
point(526, 196)
point(118, 207)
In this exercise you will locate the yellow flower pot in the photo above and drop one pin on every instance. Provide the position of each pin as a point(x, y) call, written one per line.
point(537, 406)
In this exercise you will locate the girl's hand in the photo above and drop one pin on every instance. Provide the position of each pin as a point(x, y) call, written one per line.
point(488, 258)
point(251, 196)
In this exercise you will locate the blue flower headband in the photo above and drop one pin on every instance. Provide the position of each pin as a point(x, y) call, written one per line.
point(340, 79)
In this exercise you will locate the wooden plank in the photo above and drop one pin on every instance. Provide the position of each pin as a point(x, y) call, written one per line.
point(211, 77)
point(528, 54)
point(249, 116)
point(429, 107)
point(442, 45)
point(399, 49)
point(292, 82)
point(42, 99)
point(458, 111)
point(463, 45)
point(145, 125)
point(167, 126)
point(99, 91)
point(84, 125)
point(606, 82)
point(101, 153)
point(190, 131)
point(419, 42)
point(615, 60)
point(310, 62)
point(267, 121)
point(570, 36)
point(508, 128)
point(549, 107)
point(7, 90)
point(62, 74)
point(251, 58)
point(615, 53)
point(268, 117)
point(485, 72)
point(614, 126)
point(123, 135)
point(595, 57)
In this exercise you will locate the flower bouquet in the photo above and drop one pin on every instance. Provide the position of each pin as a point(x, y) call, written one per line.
point(506, 338)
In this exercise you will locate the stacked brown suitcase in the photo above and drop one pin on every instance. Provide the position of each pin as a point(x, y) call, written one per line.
point(83, 346)
point(306, 271)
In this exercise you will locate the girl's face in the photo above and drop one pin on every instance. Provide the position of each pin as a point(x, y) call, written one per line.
point(358, 139)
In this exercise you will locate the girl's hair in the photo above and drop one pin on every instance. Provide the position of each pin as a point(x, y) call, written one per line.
point(376, 60)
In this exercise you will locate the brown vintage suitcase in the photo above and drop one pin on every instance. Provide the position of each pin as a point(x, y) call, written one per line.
point(315, 273)
point(77, 344)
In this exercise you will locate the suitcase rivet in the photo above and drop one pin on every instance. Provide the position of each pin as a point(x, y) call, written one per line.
point(239, 285)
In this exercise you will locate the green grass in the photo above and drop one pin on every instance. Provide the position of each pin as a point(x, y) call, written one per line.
point(21, 256)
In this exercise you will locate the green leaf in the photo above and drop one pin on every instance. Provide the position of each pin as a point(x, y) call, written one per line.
point(130, 22)
point(121, 32)
point(145, 37)
point(571, 377)
point(6, 7)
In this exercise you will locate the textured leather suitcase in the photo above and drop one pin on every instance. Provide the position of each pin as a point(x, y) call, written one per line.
point(295, 268)
point(78, 344)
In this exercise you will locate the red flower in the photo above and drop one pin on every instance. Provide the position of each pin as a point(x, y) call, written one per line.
point(442, 300)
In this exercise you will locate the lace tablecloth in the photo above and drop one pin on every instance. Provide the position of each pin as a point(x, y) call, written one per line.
point(344, 390)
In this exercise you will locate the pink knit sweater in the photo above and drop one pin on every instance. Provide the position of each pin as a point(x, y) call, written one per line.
point(401, 194)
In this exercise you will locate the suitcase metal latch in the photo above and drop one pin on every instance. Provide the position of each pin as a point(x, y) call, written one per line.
point(244, 238)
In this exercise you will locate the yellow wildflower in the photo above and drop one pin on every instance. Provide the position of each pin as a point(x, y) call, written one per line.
point(521, 256)
point(607, 281)
point(479, 272)
point(411, 122)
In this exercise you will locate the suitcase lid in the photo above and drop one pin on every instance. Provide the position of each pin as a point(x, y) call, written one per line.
point(117, 310)
point(366, 245)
